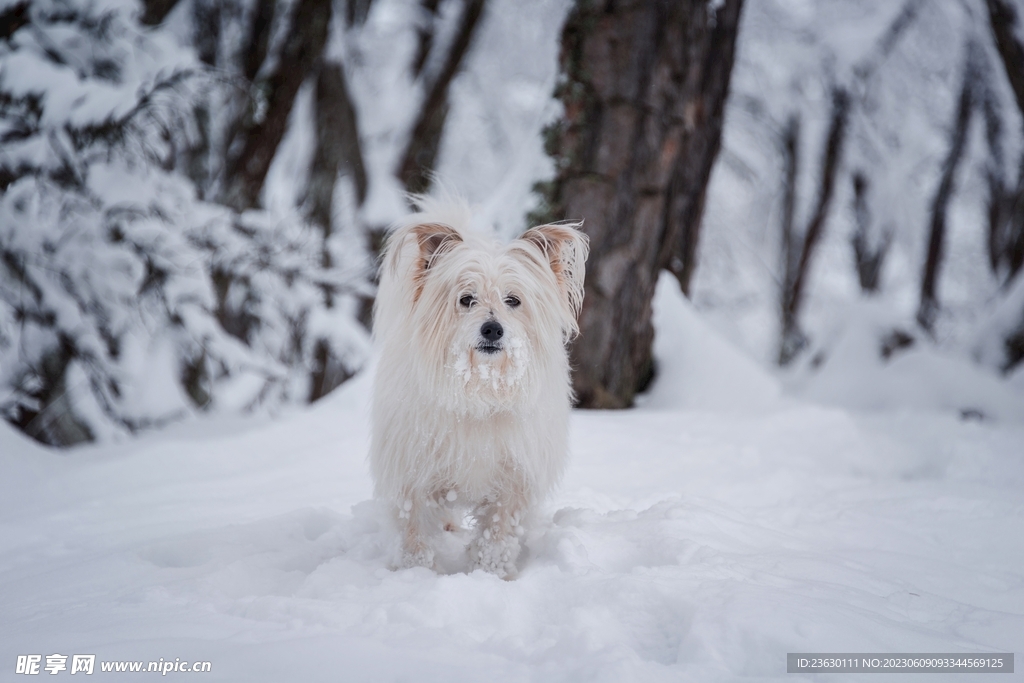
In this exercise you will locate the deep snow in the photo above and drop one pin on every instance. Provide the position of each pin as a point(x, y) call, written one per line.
point(700, 537)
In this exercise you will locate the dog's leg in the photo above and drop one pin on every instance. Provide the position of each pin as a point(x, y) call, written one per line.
point(416, 552)
point(498, 523)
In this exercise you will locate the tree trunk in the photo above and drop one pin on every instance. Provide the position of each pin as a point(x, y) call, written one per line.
point(356, 11)
point(1006, 226)
point(792, 339)
point(155, 11)
point(644, 89)
point(56, 422)
point(871, 245)
point(259, 39)
point(1006, 202)
point(928, 308)
point(425, 140)
point(799, 251)
point(255, 140)
point(1004, 21)
point(338, 149)
point(206, 20)
point(714, 52)
point(426, 33)
point(1006, 199)
point(338, 154)
point(869, 254)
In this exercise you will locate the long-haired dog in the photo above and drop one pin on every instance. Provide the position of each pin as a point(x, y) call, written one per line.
point(472, 394)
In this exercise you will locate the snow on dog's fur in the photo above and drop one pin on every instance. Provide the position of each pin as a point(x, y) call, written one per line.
point(472, 393)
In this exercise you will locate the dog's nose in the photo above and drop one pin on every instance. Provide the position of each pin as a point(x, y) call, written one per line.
point(491, 331)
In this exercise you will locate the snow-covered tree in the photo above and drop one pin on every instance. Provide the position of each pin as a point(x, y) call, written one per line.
point(192, 192)
point(126, 300)
point(895, 205)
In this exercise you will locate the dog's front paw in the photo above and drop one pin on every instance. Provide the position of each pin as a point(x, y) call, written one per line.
point(495, 555)
point(422, 556)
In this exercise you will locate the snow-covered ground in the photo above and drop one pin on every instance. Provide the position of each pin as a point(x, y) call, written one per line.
point(702, 536)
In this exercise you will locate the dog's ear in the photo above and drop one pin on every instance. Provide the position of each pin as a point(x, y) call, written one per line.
point(434, 239)
point(565, 249)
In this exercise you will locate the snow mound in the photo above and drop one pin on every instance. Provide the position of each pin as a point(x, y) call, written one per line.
point(920, 378)
point(697, 368)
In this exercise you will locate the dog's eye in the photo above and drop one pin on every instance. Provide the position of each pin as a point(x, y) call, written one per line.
point(512, 301)
point(466, 301)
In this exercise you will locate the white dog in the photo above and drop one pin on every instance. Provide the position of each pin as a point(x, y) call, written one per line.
point(472, 394)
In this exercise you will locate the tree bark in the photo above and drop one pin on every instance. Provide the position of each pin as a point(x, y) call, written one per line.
point(255, 140)
point(644, 84)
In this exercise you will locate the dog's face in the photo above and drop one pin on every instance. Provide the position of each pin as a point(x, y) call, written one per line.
point(491, 340)
point(485, 321)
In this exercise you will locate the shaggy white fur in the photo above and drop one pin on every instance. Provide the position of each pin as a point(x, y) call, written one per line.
point(472, 394)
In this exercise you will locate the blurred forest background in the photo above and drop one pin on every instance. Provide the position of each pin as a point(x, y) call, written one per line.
point(193, 192)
